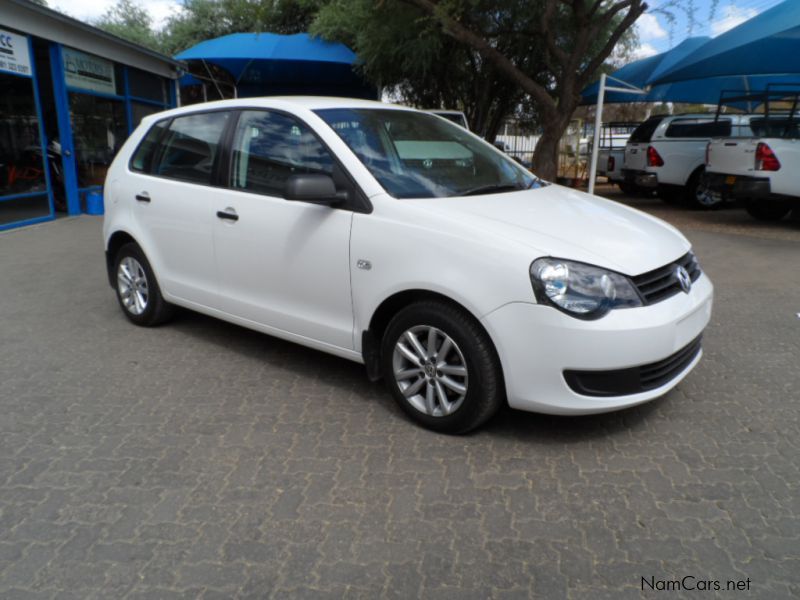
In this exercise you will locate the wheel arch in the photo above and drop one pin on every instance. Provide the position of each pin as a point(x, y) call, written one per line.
point(117, 240)
point(390, 306)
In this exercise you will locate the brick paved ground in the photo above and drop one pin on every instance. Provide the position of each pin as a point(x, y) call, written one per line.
point(201, 460)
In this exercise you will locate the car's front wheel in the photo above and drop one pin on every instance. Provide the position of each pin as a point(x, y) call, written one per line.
point(137, 289)
point(441, 367)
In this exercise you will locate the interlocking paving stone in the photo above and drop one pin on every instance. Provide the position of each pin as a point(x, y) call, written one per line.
point(202, 460)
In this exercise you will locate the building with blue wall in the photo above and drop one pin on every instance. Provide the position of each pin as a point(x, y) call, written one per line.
point(71, 95)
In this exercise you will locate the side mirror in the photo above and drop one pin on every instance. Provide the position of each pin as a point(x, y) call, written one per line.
point(316, 188)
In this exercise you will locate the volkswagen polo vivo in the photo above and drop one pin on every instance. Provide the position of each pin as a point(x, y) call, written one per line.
point(394, 238)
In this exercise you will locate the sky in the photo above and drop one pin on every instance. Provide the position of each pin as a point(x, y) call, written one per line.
point(656, 33)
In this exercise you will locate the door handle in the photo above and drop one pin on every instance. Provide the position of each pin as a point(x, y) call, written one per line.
point(143, 197)
point(229, 214)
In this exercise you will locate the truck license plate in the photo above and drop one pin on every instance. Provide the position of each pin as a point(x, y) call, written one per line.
point(730, 180)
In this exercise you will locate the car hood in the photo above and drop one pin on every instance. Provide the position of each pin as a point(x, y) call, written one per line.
point(565, 223)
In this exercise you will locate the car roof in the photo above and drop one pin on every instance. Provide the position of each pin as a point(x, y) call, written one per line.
point(283, 102)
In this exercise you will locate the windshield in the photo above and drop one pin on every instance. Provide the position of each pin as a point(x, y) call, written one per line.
point(417, 155)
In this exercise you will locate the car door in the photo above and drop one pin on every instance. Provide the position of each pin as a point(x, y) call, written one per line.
point(282, 264)
point(173, 192)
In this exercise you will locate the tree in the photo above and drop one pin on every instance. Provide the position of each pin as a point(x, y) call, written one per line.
point(201, 20)
point(572, 37)
point(129, 20)
point(402, 49)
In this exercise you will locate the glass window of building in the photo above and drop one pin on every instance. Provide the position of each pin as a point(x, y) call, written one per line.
point(147, 85)
point(21, 161)
point(99, 129)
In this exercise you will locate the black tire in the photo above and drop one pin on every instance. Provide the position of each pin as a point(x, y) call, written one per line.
point(485, 392)
point(156, 309)
point(698, 196)
point(629, 189)
point(767, 210)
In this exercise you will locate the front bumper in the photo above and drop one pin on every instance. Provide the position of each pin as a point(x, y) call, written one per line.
point(737, 187)
point(538, 344)
point(641, 179)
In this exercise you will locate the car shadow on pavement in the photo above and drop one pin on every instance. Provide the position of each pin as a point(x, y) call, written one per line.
point(351, 379)
point(556, 429)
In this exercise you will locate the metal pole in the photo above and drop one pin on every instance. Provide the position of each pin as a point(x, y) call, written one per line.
point(598, 121)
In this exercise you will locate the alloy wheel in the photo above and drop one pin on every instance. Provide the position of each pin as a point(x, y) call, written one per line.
point(430, 370)
point(132, 285)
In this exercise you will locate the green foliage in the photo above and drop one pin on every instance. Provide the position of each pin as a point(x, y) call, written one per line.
point(405, 51)
point(201, 20)
point(129, 20)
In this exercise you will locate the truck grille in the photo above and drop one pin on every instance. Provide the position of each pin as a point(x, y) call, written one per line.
point(662, 283)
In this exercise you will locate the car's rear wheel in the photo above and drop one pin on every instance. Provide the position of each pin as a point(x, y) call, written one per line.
point(767, 210)
point(699, 196)
point(441, 367)
point(137, 289)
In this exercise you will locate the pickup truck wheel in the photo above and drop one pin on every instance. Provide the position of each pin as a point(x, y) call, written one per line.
point(767, 210)
point(698, 195)
point(441, 367)
point(628, 189)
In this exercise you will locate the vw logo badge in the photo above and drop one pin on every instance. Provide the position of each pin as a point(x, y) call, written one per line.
point(684, 279)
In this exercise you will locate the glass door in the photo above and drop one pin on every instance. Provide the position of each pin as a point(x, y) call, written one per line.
point(24, 190)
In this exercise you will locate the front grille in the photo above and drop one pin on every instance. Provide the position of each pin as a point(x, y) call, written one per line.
point(634, 380)
point(662, 283)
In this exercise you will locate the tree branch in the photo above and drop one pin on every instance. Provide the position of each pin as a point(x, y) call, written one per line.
point(459, 32)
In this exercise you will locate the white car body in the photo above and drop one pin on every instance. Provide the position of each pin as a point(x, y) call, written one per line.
point(682, 153)
point(316, 275)
point(609, 164)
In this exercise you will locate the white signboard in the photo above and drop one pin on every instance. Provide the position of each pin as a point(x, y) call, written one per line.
point(14, 55)
point(89, 72)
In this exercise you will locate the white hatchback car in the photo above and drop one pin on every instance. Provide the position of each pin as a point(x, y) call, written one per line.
point(391, 237)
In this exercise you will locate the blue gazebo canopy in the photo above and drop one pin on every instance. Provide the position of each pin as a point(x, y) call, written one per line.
point(640, 72)
point(270, 64)
point(764, 50)
point(767, 44)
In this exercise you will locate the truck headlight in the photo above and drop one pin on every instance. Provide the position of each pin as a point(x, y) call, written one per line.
point(581, 290)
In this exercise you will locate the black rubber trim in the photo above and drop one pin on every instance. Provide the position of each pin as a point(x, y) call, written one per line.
point(634, 380)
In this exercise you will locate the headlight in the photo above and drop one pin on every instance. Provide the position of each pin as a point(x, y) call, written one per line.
point(581, 290)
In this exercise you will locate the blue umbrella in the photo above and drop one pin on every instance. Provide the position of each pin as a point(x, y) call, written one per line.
point(269, 63)
point(768, 44)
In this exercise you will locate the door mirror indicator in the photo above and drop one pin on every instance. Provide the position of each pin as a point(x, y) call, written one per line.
point(316, 188)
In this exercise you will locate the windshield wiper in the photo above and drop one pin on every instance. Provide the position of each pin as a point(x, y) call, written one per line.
point(491, 189)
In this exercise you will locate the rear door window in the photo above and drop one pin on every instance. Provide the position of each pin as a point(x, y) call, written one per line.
point(644, 132)
point(190, 147)
point(698, 128)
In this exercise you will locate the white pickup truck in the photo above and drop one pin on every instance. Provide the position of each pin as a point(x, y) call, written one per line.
point(613, 137)
point(763, 171)
point(667, 153)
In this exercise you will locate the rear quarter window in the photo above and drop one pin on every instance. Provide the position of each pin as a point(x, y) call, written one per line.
point(698, 128)
point(143, 156)
point(777, 128)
